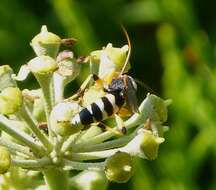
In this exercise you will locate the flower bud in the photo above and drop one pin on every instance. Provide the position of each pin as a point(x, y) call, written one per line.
point(67, 66)
point(6, 79)
point(90, 180)
point(119, 167)
point(42, 65)
point(10, 100)
point(150, 145)
point(46, 43)
point(110, 60)
point(160, 107)
point(61, 116)
point(117, 55)
point(153, 108)
point(5, 160)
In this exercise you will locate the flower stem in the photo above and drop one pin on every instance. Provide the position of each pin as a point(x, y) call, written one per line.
point(106, 145)
point(46, 84)
point(15, 147)
point(40, 163)
point(26, 115)
point(58, 87)
point(74, 165)
point(6, 125)
point(56, 179)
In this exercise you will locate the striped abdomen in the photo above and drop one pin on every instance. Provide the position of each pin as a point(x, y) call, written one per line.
point(99, 110)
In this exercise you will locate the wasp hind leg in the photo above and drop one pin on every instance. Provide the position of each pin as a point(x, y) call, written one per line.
point(105, 127)
point(120, 124)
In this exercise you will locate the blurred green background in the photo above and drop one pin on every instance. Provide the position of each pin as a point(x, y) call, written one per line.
point(173, 51)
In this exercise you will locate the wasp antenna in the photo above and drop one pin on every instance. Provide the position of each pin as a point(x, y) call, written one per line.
point(129, 50)
point(145, 86)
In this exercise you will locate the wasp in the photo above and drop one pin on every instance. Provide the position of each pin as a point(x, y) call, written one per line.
point(121, 91)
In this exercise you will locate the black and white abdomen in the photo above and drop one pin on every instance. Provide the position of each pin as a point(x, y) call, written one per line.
point(99, 110)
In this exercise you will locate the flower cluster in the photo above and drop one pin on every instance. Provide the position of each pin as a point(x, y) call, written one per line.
point(37, 133)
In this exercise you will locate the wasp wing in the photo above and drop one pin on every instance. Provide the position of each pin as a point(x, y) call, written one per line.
point(131, 98)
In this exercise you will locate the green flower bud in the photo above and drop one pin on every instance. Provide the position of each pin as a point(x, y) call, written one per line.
point(60, 118)
point(67, 66)
point(46, 43)
point(90, 180)
point(10, 100)
point(150, 145)
point(117, 55)
point(6, 79)
point(5, 160)
point(119, 167)
point(153, 108)
point(110, 60)
point(42, 65)
point(160, 107)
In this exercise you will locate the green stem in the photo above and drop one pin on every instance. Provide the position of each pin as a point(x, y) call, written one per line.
point(15, 147)
point(74, 165)
point(56, 179)
point(40, 163)
point(7, 126)
point(58, 87)
point(46, 83)
point(103, 146)
point(26, 115)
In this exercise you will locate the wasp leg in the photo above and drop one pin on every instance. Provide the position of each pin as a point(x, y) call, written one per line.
point(81, 89)
point(120, 124)
point(104, 127)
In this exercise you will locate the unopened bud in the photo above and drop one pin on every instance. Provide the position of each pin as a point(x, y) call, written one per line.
point(5, 160)
point(90, 180)
point(42, 65)
point(46, 43)
point(61, 116)
point(110, 60)
point(10, 100)
point(150, 145)
point(119, 167)
point(6, 79)
point(67, 66)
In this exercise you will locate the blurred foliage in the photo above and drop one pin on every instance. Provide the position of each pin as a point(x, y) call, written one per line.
point(174, 50)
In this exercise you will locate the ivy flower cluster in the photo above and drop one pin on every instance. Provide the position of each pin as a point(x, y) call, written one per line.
point(37, 137)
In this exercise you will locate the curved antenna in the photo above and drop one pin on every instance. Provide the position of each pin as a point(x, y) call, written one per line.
point(129, 50)
point(145, 86)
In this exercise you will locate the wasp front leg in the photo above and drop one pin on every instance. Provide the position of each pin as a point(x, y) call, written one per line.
point(82, 88)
